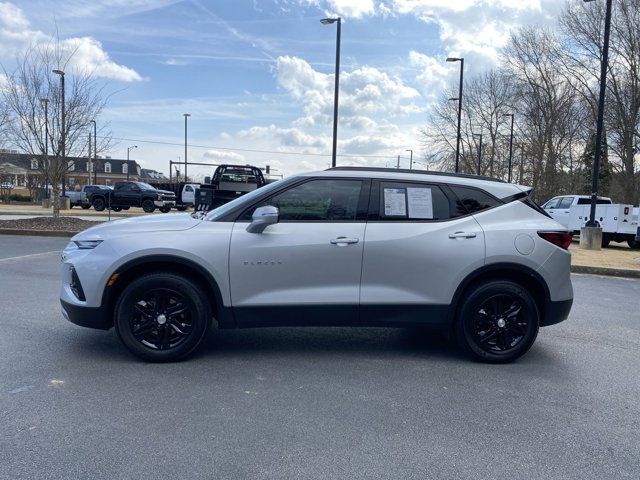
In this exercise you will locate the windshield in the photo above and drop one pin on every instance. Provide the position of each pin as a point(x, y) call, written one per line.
point(222, 210)
point(144, 186)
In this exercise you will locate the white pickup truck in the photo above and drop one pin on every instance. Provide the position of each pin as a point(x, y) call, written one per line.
point(559, 208)
point(619, 222)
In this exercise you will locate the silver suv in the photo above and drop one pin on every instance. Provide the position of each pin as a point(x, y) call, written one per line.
point(347, 246)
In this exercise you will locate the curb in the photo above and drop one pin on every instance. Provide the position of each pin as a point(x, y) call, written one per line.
point(609, 272)
point(37, 233)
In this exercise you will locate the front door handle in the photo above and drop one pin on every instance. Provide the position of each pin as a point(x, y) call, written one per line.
point(342, 241)
point(462, 235)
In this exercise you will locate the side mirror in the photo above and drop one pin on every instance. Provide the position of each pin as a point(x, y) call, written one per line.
point(262, 218)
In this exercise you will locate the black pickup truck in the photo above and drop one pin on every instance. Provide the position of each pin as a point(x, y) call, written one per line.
point(133, 194)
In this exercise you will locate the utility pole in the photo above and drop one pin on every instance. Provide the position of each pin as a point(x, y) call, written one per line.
point(186, 115)
point(410, 159)
point(398, 164)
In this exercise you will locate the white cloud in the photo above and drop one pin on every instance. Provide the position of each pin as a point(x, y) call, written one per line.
point(88, 53)
point(364, 92)
point(287, 137)
point(351, 8)
point(223, 156)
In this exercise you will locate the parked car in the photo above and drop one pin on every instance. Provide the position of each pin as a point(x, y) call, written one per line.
point(133, 194)
point(559, 208)
point(346, 246)
point(228, 182)
point(185, 193)
point(80, 198)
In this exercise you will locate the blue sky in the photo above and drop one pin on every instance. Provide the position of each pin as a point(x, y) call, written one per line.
point(258, 74)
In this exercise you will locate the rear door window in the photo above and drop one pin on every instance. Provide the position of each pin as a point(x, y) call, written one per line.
point(407, 201)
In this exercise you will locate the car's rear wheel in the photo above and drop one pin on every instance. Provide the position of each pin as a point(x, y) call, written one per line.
point(162, 317)
point(85, 206)
point(165, 209)
point(116, 209)
point(498, 322)
point(99, 204)
point(148, 206)
point(634, 244)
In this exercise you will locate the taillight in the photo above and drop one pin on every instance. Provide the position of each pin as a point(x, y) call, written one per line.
point(626, 210)
point(559, 239)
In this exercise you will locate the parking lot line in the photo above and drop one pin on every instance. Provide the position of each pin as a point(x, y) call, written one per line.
point(20, 257)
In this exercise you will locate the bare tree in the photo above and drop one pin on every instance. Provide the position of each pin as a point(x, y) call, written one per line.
point(583, 29)
point(34, 80)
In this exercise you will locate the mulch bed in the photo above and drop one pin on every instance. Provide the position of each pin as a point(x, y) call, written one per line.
point(61, 224)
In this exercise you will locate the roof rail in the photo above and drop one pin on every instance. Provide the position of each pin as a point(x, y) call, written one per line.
point(422, 172)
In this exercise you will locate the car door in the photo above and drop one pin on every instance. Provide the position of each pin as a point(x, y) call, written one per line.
point(563, 211)
point(307, 267)
point(189, 194)
point(420, 244)
point(551, 207)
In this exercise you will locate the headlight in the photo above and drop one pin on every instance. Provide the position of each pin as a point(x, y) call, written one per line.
point(87, 244)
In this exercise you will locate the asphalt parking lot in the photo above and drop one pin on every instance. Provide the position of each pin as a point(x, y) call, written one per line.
point(313, 403)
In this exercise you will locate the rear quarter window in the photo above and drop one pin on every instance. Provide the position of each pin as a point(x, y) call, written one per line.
point(473, 200)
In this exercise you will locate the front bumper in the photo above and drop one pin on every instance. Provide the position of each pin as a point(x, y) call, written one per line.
point(87, 316)
point(165, 203)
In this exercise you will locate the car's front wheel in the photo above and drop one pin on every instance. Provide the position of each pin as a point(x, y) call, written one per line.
point(162, 317)
point(148, 206)
point(497, 322)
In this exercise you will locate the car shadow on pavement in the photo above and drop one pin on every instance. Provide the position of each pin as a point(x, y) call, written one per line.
point(320, 341)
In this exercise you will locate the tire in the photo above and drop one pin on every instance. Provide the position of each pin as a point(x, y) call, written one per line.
point(483, 331)
point(99, 204)
point(126, 208)
point(606, 240)
point(116, 209)
point(148, 206)
point(181, 208)
point(165, 209)
point(85, 206)
point(151, 335)
point(634, 244)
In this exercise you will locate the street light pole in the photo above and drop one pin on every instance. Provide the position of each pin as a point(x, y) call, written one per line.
point(461, 60)
point(410, 159)
point(479, 151)
point(599, 125)
point(45, 104)
point(95, 152)
point(186, 115)
point(329, 21)
point(128, 150)
point(510, 146)
point(62, 130)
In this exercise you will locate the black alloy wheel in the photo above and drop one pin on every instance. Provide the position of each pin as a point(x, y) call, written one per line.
point(498, 322)
point(162, 317)
point(99, 204)
point(148, 206)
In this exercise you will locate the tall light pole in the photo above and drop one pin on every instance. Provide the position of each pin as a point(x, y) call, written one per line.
point(461, 60)
point(479, 150)
point(599, 124)
point(186, 115)
point(128, 150)
point(510, 146)
point(329, 21)
point(45, 160)
point(410, 159)
point(95, 152)
point(62, 130)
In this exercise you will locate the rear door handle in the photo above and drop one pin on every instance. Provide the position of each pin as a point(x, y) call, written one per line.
point(462, 235)
point(341, 241)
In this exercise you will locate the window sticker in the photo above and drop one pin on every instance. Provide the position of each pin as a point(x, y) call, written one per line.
point(395, 202)
point(420, 203)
